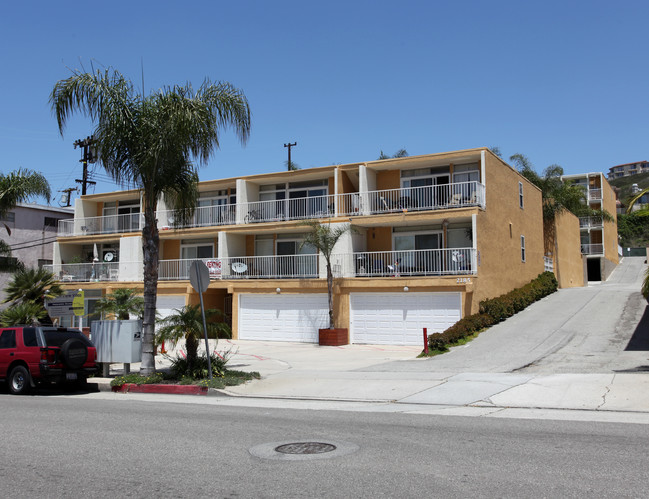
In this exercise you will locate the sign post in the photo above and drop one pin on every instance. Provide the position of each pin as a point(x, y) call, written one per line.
point(199, 278)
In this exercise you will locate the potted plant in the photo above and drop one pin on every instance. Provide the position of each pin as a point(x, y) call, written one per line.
point(323, 237)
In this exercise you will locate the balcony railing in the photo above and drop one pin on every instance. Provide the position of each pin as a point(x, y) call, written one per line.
point(426, 262)
point(111, 224)
point(590, 222)
point(592, 249)
point(89, 272)
point(247, 267)
point(424, 198)
point(288, 209)
point(430, 197)
point(594, 193)
point(204, 216)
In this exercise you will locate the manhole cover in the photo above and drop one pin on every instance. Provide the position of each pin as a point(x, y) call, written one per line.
point(303, 451)
point(305, 448)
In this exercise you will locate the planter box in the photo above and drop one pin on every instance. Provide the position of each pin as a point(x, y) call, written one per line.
point(333, 337)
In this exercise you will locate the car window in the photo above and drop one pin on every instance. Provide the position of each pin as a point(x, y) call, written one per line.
point(8, 338)
point(29, 337)
point(55, 338)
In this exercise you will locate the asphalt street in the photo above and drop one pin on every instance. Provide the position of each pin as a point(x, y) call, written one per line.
point(62, 446)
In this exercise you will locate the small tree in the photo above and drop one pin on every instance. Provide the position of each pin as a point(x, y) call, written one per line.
point(23, 313)
point(121, 303)
point(324, 238)
point(187, 323)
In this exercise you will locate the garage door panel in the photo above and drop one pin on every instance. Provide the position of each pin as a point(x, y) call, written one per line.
point(282, 317)
point(398, 318)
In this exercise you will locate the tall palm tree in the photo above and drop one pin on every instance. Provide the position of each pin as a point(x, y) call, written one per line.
point(16, 187)
point(187, 323)
point(121, 303)
point(148, 142)
point(324, 238)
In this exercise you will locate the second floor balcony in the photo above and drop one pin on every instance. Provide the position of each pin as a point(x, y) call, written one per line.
point(378, 202)
point(590, 222)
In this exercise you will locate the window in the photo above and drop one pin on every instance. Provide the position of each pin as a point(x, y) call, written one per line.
point(190, 250)
point(520, 195)
point(8, 339)
point(50, 222)
point(522, 248)
point(43, 261)
point(29, 337)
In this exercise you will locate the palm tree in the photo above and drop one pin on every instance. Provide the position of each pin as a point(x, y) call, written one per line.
point(324, 238)
point(17, 187)
point(401, 153)
point(121, 303)
point(32, 286)
point(187, 323)
point(23, 313)
point(148, 142)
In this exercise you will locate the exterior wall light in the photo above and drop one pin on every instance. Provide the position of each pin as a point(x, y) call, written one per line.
point(406, 288)
point(278, 290)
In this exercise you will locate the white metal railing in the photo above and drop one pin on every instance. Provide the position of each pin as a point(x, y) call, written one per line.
point(111, 224)
point(594, 193)
point(288, 209)
point(592, 249)
point(89, 272)
point(548, 264)
point(246, 267)
point(429, 197)
point(590, 222)
point(204, 216)
point(450, 261)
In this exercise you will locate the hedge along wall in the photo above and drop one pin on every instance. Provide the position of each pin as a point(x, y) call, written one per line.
point(495, 310)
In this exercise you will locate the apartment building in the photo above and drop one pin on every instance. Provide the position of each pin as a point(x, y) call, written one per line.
point(30, 229)
point(598, 236)
point(432, 236)
point(627, 169)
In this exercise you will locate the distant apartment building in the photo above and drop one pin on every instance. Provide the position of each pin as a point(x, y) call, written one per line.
point(30, 230)
point(598, 236)
point(628, 169)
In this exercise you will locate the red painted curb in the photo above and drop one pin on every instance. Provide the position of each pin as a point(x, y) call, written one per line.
point(169, 389)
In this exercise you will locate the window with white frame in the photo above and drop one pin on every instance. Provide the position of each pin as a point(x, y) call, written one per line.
point(523, 248)
point(520, 195)
point(193, 249)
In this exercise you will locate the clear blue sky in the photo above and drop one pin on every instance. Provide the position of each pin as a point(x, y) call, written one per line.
point(560, 81)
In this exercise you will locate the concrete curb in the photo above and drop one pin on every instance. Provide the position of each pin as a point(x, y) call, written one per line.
point(104, 386)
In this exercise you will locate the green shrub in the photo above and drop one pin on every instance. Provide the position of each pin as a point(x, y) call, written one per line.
point(495, 310)
point(180, 367)
point(136, 379)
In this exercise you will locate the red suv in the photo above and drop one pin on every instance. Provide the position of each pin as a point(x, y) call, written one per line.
point(30, 355)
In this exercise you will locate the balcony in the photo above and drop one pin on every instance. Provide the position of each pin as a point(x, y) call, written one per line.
point(594, 194)
point(424, 198)
point(590, 222)
point(87, 272)
point(204, 216)
point(426, 262)
point(411, 199)
point(111, 224)
point(247, 267)
point(592, 249)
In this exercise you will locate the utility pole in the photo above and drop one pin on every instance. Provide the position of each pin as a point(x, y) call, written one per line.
point(88, 157)
point(289, 145)
point(67, 194)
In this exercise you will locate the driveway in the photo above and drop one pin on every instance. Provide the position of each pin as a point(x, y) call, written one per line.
point(576, 330)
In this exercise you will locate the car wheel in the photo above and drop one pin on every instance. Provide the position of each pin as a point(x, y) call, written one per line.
point(74, 353)
point(19, 381)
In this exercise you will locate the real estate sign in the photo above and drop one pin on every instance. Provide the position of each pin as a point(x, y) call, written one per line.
point(66, 305)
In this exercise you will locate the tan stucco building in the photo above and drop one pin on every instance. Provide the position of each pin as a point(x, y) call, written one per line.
point(432, 236)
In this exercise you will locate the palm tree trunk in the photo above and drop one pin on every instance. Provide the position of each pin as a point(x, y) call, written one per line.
point(150, 245)
point(330, 292)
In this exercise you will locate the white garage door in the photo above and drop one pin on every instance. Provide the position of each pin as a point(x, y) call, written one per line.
point(283, 317)
point(399, 318)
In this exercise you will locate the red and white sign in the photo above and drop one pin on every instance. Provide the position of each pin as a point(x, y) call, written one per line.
point(214, 266)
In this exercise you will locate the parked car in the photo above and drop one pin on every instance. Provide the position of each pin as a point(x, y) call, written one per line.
point(31, 355)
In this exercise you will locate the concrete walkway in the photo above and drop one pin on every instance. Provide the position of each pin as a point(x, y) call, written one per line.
point(566, 352)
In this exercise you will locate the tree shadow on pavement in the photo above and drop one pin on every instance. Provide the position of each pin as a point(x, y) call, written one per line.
point(640, 339)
